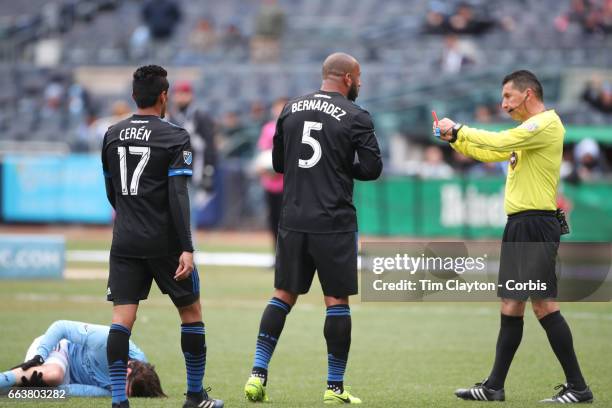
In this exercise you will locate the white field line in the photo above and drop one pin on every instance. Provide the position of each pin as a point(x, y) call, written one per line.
point(242, 259)
point(245, 259)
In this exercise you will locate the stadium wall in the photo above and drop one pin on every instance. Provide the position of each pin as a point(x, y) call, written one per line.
point(469, 208)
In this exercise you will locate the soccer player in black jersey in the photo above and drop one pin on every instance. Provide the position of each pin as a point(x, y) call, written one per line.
point(323, 141)
point(146, 163)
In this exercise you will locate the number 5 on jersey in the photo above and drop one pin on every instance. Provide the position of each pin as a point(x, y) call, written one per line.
point(144, 153)
point(312, 142)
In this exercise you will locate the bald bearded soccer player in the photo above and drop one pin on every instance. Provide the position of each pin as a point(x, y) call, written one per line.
point(323, 142)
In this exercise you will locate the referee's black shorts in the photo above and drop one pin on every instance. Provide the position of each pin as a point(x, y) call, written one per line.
point(528, 256)
point(333, 256)
point(130, 279)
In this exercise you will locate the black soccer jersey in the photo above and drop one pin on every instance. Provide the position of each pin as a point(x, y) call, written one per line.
point(139, 154)
point(323, 141)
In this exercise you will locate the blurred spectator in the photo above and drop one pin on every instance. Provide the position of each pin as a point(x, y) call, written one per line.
point(593, 16)
point(161, 17)
point(489, 169)
point(433, 165)
point(457, 54)
point(231, 123)
point(598, 94)
point(203, 37)
point(575, 15)
point(67, 16)
point(464, 21)
point(461, 163)
point(483, 114)
point(140, 43)
point(567, 166)
point(269, 28)
point(54, 112)
point(54, 95)
point(81, 114)
point(232, 140)
point(271, 181)
point(79, 101)
point(270, 20)
point(435, 22)
point(508, 23)
point(589, 164)
point(257, 114)
point(120, 110)
point(234, 42)
point(50, 13)
point(201, 127)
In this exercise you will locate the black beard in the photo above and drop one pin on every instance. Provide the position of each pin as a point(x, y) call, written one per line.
point(352, 93)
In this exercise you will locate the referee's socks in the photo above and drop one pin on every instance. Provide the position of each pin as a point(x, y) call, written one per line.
point(560, 338)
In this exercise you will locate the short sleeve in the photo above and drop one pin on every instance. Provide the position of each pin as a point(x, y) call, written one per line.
point(181, 159)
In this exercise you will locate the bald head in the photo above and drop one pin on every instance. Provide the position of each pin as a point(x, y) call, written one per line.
point(341, 73)
point(338, 64)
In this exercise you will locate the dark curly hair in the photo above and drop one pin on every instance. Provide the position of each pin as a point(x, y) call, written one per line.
point(148, 83)
point(143, 381)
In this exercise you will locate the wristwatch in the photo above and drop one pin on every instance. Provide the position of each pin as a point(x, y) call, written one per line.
point(456, 129)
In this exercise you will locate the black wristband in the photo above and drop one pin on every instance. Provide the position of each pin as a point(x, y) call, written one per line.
point(456, 130)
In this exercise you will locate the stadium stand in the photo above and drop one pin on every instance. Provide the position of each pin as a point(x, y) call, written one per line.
point(408, 50)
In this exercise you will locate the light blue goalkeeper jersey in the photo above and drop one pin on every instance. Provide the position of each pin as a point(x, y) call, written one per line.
point(86, 355)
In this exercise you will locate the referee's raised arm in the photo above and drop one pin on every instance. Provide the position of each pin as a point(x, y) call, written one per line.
point(533, 149)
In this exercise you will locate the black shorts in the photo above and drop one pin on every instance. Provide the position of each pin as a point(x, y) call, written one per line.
point(333, 256)
point(528, 256)
point(129, 280)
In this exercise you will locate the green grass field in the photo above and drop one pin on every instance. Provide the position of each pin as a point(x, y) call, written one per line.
point(402, 355)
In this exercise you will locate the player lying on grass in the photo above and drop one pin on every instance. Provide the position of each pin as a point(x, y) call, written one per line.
point(72, 356)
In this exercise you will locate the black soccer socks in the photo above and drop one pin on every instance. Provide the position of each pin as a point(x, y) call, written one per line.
point(508, 341)
point(117, 351)
point(337, 331)
point(193, 345)
point(560, 338)
point(270, 329)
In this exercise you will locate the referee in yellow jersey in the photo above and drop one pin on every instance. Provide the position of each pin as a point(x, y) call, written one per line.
point(533, 151)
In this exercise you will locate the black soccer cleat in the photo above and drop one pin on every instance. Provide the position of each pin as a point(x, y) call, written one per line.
point(568, 395)
point(480, 392)
point(122, 404)
point(203, 401)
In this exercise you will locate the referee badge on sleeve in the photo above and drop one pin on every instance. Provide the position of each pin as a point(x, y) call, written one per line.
point(513, 160)
point(529, 126)
point(187, 157)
